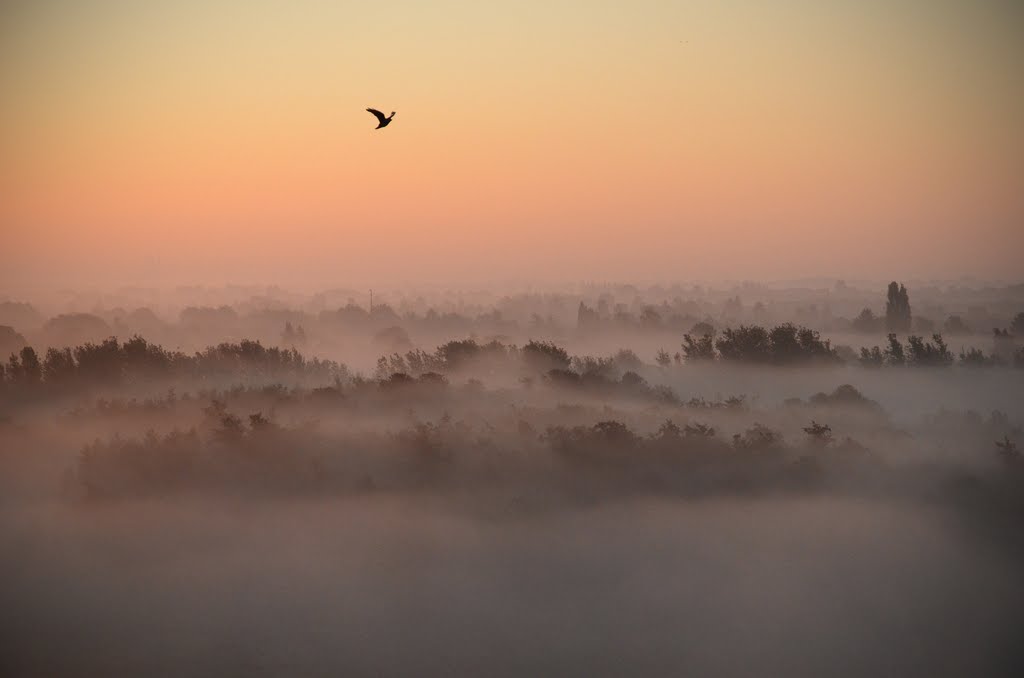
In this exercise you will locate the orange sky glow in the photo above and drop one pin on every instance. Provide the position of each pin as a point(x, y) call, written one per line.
point(226, 141)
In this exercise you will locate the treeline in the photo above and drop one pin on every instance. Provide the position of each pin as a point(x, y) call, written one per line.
point(788, 344)
point(785, 344)
point(111, 363)
point(535, 362)
point(253, 453)
point(535, 356)
point(920, 352)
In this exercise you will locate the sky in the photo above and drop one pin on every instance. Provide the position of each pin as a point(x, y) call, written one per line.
point(226, 141)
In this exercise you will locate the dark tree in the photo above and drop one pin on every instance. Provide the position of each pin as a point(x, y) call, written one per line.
point(894, 354)
point(31, 368)
point(791, 345)
point(872, 357)
point(1017, 325)
point(785, 344)
point(747, 343)
point(544, 356)
point(697, 430)
point(820, 434)
point(975, 357)
point(258, 422)
point(456, 354)
point(668, 431)
point(701, 348)
point(59, 366)
point(625, 359)
point(24, 368)
point(614, 432)
point(897, 309)
point(928, 354)
point(702, 328)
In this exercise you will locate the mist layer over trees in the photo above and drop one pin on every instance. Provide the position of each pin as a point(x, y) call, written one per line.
point(604, 481)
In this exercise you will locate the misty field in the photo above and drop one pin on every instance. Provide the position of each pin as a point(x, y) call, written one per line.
point(750, 500)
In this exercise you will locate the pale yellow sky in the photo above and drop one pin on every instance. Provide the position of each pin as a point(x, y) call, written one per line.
point(223, 141)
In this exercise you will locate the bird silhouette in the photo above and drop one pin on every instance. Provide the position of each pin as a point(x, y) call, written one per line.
point(383, 122)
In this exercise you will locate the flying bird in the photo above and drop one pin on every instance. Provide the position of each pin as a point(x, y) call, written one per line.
point(383, 122)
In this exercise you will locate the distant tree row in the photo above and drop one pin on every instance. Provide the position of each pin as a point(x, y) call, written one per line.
point(650, 317)
point(255, 454)
point(918, 352)
point(791, 345)
point(935, 353)
point(113, 363)
point(535, 356)
point(898, 318)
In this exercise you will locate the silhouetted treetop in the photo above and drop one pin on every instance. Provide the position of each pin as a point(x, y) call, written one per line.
point(784, 344)
point(897, 309)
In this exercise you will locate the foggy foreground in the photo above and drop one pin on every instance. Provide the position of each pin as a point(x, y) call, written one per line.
point(389, 585)
point(501, 510)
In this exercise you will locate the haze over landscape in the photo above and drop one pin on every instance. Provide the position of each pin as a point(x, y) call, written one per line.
point(645, 339)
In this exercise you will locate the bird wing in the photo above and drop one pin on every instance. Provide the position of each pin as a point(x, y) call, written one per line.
point(380, 116)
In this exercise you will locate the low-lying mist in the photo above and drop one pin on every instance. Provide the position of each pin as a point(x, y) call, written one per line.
point(493, 509)
point(394, 585)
